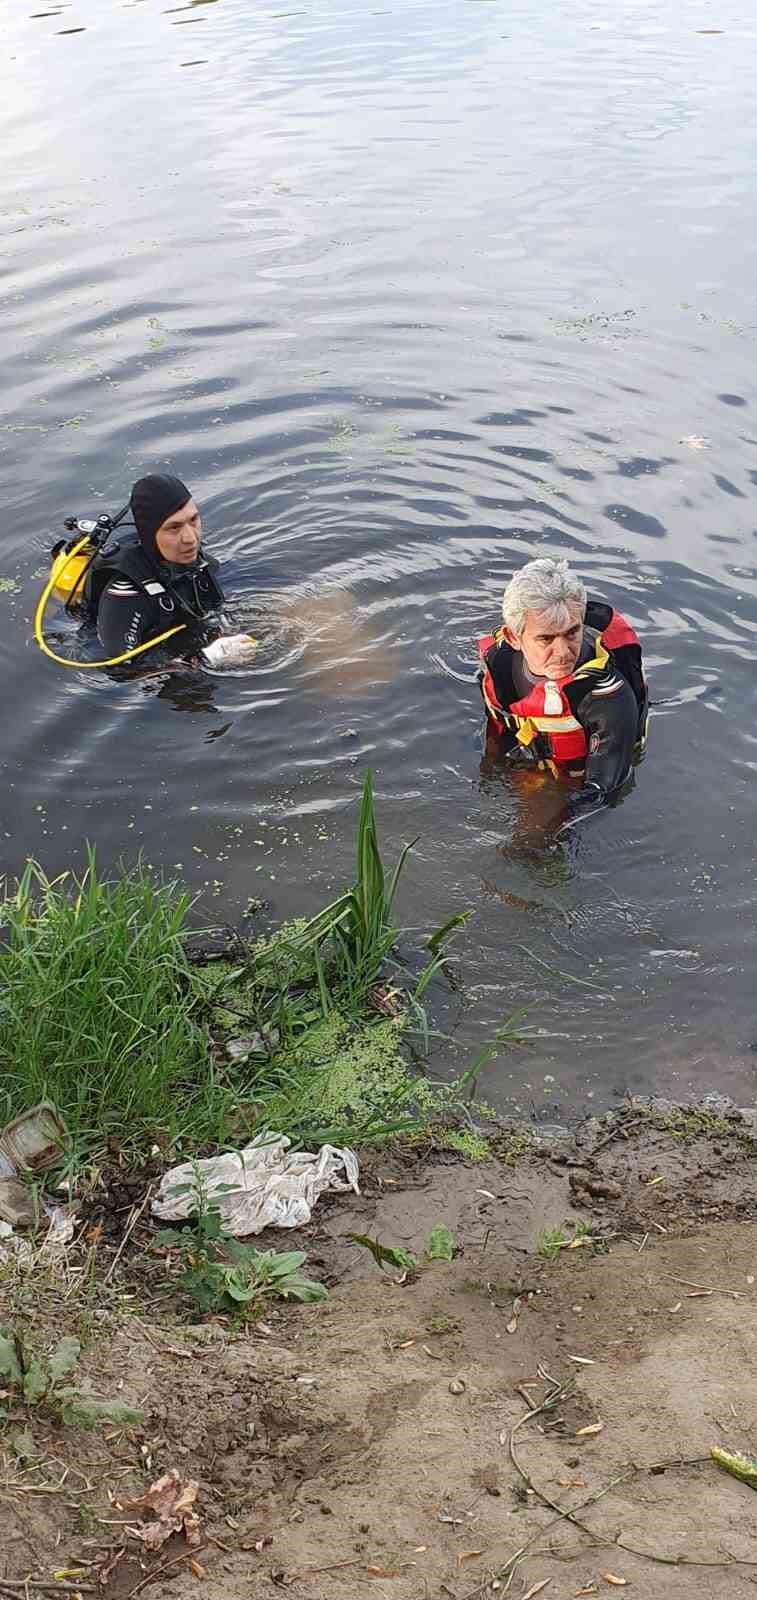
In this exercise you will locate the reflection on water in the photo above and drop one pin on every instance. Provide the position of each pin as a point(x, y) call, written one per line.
point(408, 296)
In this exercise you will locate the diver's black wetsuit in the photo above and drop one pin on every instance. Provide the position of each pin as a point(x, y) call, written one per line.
point(131, 599)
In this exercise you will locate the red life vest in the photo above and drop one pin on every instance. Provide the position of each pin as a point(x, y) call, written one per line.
point(546, 716)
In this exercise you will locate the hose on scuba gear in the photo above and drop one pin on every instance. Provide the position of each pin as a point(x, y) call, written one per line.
point(39, 615)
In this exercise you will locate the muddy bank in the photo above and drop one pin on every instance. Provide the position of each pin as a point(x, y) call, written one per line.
point(382, 1442)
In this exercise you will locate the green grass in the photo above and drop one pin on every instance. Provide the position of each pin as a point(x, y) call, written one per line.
point(101, 1013)
point(99, 1008)
point(552, 1240)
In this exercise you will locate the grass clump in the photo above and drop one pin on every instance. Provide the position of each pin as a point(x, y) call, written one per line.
point(98, 1009)
point(552, 1240)
point(102, 1014)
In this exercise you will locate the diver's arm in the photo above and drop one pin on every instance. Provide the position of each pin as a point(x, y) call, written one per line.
point(610, 718)
point(122, 617)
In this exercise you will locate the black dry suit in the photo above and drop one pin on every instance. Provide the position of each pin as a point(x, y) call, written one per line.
point(131, 597)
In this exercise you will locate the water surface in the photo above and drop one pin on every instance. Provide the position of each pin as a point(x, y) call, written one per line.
point(408, 295)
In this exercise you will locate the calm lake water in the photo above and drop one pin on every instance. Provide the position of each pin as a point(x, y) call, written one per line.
point(408, 295)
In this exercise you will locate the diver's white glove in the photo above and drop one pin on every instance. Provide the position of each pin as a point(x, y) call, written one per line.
point(231, 650)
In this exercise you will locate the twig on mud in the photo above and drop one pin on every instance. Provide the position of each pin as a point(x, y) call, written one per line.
point(621, 1131)
point(336, 1566)
point(617, 1544)
point(164, 1349)
point(157, 1572)
point(509, 1567)
point(34, 1488)
point(556, 1393)
point(678, 1561)
point(128, 1231)
point(16, 1586)
point(709, 1288)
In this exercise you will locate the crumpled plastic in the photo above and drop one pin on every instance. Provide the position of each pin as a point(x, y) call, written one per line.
point(60, 1232)
point(271, 1186)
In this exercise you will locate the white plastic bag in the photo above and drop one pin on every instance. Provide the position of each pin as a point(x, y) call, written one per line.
point(271, 1186)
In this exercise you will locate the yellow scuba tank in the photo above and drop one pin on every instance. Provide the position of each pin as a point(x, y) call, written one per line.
point(70, 563)
point(68, 567)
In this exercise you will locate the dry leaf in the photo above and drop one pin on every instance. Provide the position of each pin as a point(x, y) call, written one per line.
point(468, 1555)
point(593, 1427)
point(610, 1577)
point(171, 1498)
point(512, 1326)
point(196, 1570)
point(699, 1294)
point(487, 1478)
point(382, 1572)
point(653, 1181)
point(583, 1361)
point(408, 1345)
point(676, 1307)
point(536, 1588)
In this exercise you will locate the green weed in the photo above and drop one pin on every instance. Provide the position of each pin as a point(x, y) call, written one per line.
point(467, 1143)
point(552, 1240)
point(37, 1378)
point(223, 1276)
point(439, 1246)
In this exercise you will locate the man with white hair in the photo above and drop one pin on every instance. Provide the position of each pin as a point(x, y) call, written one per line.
point(563, 682)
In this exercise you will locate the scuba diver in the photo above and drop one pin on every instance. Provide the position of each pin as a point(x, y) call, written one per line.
point(145, 582)
point(563, 685)
point(138, 589)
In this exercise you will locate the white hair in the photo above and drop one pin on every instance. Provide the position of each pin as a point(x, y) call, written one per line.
point(544, 586)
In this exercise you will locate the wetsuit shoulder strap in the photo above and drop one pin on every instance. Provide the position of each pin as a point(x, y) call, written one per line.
point(121, 559)
point(622, 641)
point(497, 657)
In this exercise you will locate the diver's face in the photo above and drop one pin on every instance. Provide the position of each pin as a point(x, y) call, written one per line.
point(550, 652)
point(178, 538)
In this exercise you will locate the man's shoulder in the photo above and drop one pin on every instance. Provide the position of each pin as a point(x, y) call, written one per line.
point(120, 587)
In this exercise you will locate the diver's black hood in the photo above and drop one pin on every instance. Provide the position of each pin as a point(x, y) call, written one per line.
point(154, 498)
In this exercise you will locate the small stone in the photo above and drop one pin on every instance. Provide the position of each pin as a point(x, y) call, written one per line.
point(457, 1386)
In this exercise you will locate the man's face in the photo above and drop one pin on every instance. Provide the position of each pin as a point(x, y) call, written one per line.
point(178, 538)
point(550, 652)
